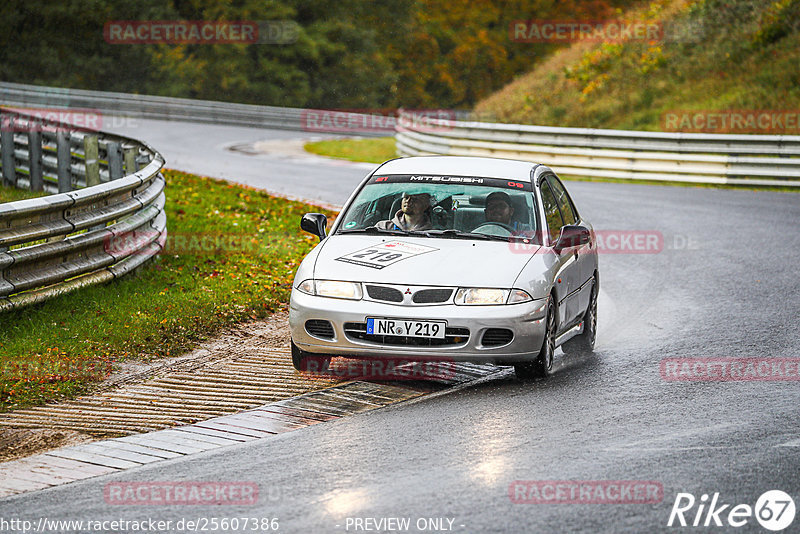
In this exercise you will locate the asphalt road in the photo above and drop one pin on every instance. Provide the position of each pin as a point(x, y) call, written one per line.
point(724, 285)
point(204, 149)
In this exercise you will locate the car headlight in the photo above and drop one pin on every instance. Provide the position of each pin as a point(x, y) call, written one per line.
point(331, 288)
point(481, 296)
point(484, 296)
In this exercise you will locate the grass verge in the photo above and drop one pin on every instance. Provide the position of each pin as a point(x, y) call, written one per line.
point(718, 55)
point(370, 150)
point(230, 257)
point(11, 194)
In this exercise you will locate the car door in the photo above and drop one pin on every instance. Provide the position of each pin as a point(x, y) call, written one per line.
point(567, 271)
point(584, 255)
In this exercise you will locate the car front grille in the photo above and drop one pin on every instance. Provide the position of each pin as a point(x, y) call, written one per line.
point(495, 337)
point(453, 336)
point(389, 294)
point(431, 296)
point(397, 294)
point(320, 328)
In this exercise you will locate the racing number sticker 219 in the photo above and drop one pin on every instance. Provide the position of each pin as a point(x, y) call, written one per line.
point(379, 256)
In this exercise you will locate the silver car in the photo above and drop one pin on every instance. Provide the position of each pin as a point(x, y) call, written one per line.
point(450, 259)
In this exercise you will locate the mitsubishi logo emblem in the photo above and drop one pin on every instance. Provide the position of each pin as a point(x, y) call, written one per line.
point(408, 291)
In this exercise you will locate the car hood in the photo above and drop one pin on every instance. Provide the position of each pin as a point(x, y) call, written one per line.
point(424, 261)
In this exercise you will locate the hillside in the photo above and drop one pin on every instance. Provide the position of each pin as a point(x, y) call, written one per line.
point(322, 54)
point(715, 55)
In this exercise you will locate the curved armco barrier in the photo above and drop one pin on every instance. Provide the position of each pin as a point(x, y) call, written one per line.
point(105, 218)
point(185, 109)
point(769, 160)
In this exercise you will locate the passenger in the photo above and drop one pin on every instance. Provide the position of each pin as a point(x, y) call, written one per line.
point(414, 214)
point(499, 209)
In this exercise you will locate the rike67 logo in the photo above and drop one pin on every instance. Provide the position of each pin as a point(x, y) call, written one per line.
point(774, 510)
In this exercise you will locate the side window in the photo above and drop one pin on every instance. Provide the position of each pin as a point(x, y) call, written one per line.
point(563, 200)
point(551, 212)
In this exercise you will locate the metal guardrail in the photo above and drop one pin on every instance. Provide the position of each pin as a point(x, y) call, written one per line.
point(185, 109)
point(104, 216)
point(767, 160)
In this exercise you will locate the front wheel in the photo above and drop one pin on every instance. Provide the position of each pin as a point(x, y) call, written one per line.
point(584, 342)
point(308, 362)
point(542, 366)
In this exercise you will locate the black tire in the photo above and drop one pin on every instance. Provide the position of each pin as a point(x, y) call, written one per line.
point(583, 343)
point(308, 362)
point(542, 366)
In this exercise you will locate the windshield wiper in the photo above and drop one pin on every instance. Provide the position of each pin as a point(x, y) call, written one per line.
point(458, 234)
point(469, 235)
point(450, 233)
point(419, 233)
point(373, 230)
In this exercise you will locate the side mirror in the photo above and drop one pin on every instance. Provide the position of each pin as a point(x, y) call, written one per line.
point(314, 223)
point(572, 235)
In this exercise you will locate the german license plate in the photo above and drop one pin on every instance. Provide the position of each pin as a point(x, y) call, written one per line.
point(406, 327)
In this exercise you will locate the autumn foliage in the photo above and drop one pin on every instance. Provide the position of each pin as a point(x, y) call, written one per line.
point(425, 53)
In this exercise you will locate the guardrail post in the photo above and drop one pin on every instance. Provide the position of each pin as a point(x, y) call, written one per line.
point(35, 159)
point(91, 153)
point(142, 160)
point(114, 161)
point(129, 154)
point(64, 161)
point(7, 149)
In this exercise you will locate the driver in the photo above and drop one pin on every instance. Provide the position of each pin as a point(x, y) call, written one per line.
point(414, 214)
point(499, 209)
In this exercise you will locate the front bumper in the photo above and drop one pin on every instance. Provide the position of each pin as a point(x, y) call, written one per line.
point(526, 321)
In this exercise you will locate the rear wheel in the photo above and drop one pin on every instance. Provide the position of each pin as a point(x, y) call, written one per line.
point(542, 366)
point(584, 342)
point(308, 362)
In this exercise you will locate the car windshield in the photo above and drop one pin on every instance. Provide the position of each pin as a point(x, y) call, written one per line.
point(443, 206)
